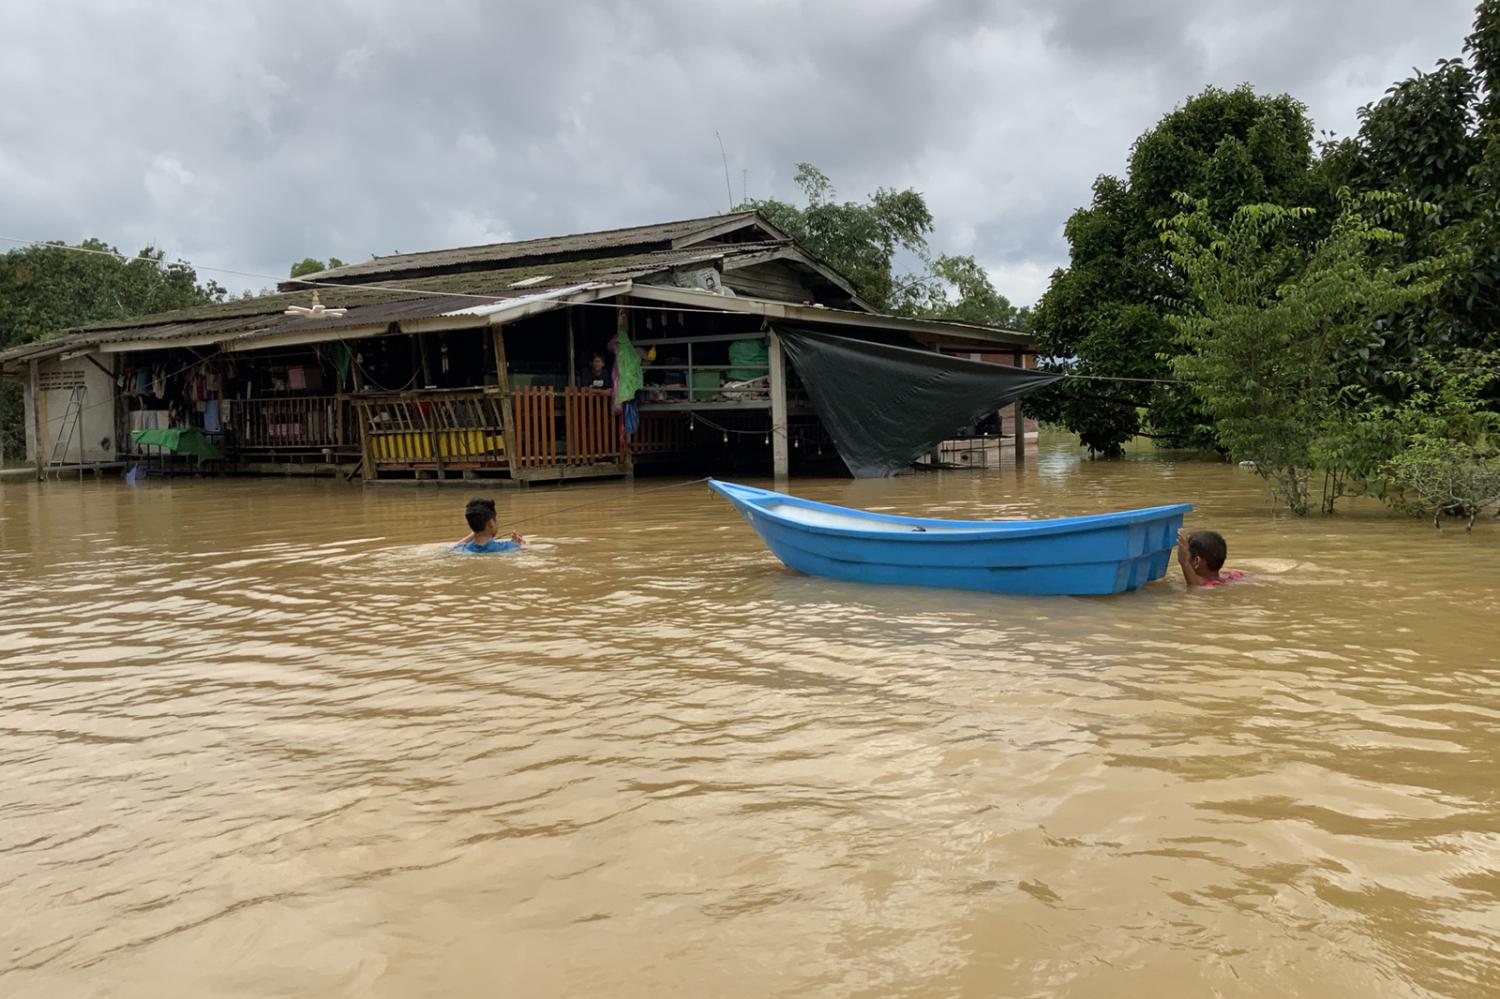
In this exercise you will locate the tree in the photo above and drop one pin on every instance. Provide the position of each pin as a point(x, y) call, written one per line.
point(1268, 321)
point(1435, 137)
point(1106, 313)
point(859, 240)
point(957, 289)
point(1450, 458)
point(48, 289)
point(309, 265)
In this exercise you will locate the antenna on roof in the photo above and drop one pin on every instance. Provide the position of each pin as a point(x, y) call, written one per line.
point(727, 189)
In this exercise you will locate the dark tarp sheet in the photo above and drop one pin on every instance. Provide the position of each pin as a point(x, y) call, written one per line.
point(886, 406)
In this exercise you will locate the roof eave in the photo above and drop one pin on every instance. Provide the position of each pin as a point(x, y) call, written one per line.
point(819, 314)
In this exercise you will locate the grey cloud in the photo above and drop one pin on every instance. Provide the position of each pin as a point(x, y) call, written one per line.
point(250, 135)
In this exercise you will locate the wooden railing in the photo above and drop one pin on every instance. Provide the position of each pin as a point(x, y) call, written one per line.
point(591, 427)
point(536, 426)
point(458, 430)
point(660, 433)
point(570, 427)
point(292, 424)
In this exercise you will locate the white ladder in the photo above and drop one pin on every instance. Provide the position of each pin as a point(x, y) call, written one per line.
point(70, 422)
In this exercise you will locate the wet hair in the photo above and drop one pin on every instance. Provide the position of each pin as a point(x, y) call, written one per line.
point(479, 513)
point(1210, 547)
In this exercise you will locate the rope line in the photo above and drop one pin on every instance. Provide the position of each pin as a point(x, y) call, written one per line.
point(594, 505)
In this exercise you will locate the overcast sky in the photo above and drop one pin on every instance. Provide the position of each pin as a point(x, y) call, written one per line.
point(248, 135)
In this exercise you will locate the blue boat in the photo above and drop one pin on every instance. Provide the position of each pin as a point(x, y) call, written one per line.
point(1104, 553)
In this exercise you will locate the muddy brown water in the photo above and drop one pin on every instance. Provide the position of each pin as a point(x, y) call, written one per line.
point(264, 738)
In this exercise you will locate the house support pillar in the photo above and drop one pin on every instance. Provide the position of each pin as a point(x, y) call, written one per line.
point(507, 403)
point(36, 418)
point(1019, 420)
point(780, 458)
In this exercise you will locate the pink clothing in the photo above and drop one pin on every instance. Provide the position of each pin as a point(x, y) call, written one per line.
point(1227, 576)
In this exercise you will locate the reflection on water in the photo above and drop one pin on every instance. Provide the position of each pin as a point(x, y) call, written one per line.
point(266, 738)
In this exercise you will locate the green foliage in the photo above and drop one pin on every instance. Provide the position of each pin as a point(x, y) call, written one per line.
point(957, 289)
point(46, 290)
point(860, 240)
point(1483, 49)
point(857, 239)
point(1450, 461)
point(1106, 313)
point(1271, 320)
point(310, 265)
point(1436, 138)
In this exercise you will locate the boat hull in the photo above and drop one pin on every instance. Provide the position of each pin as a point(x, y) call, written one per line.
point(1080, 556)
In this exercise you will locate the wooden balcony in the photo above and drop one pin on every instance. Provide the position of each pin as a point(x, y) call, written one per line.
point(302, 425)
point(552, 433)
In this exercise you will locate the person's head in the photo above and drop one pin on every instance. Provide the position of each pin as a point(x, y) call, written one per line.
point(1207, 551)
point(596, 363)
point(480, 513)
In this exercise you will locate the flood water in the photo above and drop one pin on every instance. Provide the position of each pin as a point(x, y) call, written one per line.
point(264, 738)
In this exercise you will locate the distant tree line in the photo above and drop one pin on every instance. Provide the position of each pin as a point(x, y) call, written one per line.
point(47, 289)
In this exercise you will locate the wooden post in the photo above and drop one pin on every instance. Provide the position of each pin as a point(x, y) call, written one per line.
point(507, 403)
point(36, 417)
point(780, 459)
point(1020, 421)
point(367, 463)
point(572, 351)
point(421, 343)
point(623, 328)
point(361, 417)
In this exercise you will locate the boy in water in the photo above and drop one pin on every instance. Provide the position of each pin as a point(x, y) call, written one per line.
point(1201, 556)
point(483, 525)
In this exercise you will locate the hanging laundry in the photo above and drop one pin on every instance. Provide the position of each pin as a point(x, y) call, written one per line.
point(296, 379)
point(142, 381)
point(158, 382)
point(211, 415)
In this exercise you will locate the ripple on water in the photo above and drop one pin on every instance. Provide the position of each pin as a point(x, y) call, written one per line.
point(267, 738)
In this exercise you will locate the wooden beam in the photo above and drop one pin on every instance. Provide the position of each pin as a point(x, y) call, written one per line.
point(931, 330)
point(507, 403)
point(780, 457)
point(36, 416)
point(572, 352)
point(623, 327)
point(1020, 421)
point(421, 343)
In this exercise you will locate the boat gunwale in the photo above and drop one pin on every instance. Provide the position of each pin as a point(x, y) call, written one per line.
point(952, 530)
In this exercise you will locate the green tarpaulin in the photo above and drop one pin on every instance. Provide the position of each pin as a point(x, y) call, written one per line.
point(179, 440)
point(752, 357)
point(628, 380)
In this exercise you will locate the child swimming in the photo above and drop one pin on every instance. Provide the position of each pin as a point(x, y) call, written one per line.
point(1201, 556)
point(483, 526)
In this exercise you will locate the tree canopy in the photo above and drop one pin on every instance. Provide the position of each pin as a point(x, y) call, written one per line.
point(47, 289)
point(311, 265)
point(1106, 313)
point(862, 241)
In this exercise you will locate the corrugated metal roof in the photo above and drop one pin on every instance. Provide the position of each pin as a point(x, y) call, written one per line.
point(414, 298)
point(662, 235)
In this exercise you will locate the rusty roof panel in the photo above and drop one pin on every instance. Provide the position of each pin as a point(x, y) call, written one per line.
point(642, 237)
